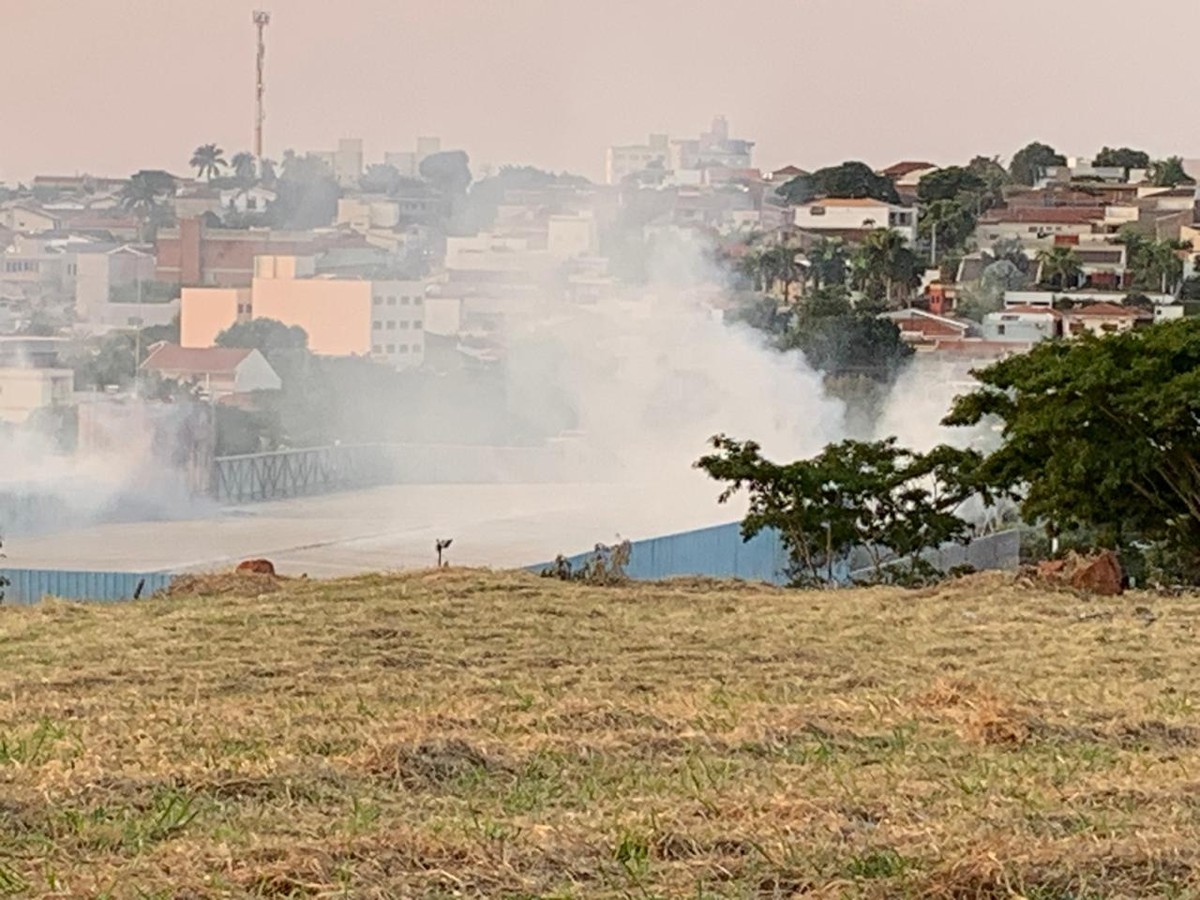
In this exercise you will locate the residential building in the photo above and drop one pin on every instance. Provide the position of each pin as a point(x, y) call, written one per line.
point(1037, 226)
point(23, 391)
point(27, 219)
point(1104, 318)
point(924, 329)
point(218, 371)
point(192, 254)
point(408, 162)
point(621, 162)
point(382, 318)
point(108, 281)
point(1022, 325)
point(907, 175)
point(854, 218)
point(205, 312)
point(348, 162)
point(713, 148)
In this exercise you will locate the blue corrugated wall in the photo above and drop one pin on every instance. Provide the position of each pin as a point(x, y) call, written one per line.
point(719, 552)
point(31, 585)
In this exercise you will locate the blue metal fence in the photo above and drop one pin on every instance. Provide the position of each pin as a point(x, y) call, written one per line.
point(719, 552)
point(26, 586)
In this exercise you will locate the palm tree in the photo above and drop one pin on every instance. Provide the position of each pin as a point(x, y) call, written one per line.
point(244, 169)
point(1060, 265)
point(827, 262)
point(208, 161)
point(142, 195)
point(884, 259)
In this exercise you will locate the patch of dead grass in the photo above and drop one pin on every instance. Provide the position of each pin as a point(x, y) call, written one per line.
point(473, 734)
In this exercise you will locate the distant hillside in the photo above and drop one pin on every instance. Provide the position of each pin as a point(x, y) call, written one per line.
point(459, 733)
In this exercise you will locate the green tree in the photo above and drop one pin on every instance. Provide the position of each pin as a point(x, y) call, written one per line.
point(208, 160)
point(798, 191)
point(773, 269)
point(1154, 265)
point(1122, 158)
point(380, 179)
point(828, 262)
point(992, 172)
point(1060, 267)
point(306, 193)
point(885, 265)
point(1169, 172)
point(144, 195)
point(893, 503)
point(1028, 163)
point(950, 183)
point(847, 343)
point(850, 179)
point(953, 222)
point(268, 336)
point(1100, 432)
point(244, 169)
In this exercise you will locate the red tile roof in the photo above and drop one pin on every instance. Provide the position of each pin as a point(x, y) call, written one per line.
point(1048, 215)
point(900, 169)
point(1029, 310)
point(1108, 311)
point(195, 360)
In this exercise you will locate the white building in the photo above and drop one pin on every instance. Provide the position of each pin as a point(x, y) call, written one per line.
point(621, 162)
point(23, 391)
point(348, 162)
point(851, 216)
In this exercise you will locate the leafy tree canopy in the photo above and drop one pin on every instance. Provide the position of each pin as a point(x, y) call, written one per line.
point(265, 335)
point(949, 184)
point(1122, 157)
point(1100, 433)
point(1169, 172)
point(850, 179)
point(893, 503)
point(1028, 162)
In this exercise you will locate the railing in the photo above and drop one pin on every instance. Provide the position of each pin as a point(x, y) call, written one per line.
point(296, 473)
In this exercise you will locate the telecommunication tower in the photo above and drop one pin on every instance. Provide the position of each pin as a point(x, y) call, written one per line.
point(261, 20)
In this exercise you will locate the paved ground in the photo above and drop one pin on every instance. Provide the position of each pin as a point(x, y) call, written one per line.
point(503, 525)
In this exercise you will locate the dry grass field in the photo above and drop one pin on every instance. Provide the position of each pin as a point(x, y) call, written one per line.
point(466, 734)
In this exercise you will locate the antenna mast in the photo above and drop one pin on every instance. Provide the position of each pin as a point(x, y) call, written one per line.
point(261, 20)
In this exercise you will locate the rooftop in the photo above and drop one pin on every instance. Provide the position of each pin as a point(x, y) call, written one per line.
point(195, 360)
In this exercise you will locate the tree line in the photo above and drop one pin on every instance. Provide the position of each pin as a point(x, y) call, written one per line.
point(1100, 448)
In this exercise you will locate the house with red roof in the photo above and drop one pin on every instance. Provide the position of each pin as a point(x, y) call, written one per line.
point(221, 372)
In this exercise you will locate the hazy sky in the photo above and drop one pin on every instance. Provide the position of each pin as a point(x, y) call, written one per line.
point(109, 86)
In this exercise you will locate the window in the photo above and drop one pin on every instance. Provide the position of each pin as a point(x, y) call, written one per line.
point(816, 210)
point(1000, 329)
point(404, 348)
point(377, 349)
point(404, 301)
point(404, 326)
point(376, 301)
point(391, 326)
point(377, 325)
point(251, 203)
point(391, 301)
point(417, 301)
point(418, 324)
point(72, 268)
point(391, 348)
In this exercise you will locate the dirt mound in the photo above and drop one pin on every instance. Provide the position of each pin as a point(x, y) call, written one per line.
point(1099, 574)
point(257, 566)
point(219, 584)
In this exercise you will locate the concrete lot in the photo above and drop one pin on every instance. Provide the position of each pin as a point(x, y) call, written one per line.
point(502, 525)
